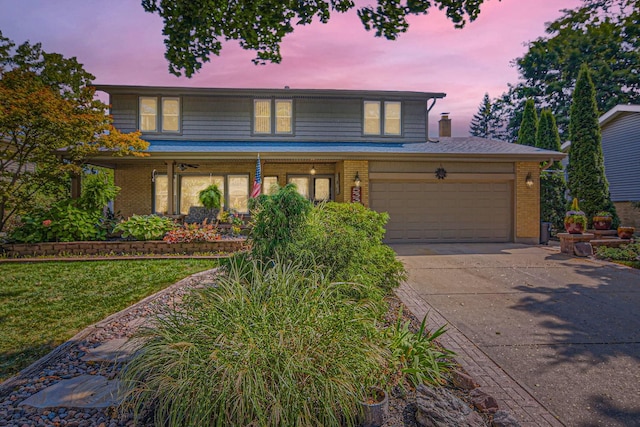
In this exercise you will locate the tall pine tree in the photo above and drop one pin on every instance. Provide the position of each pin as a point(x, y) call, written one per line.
point(480, 121)
point(552, 183)
point(529, 125)
point(488, 121)
point(587, 179)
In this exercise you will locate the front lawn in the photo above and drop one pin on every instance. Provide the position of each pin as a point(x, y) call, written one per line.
point(44, 304)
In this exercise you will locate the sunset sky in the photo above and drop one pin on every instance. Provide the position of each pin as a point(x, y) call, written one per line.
point(121, 44)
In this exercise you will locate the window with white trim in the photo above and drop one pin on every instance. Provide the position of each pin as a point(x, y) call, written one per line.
point(382, 118)
point(266, 123)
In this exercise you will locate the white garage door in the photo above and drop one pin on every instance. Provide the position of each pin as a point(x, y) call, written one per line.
point(445, 212)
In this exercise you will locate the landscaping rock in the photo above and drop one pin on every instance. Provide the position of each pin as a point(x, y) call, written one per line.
point(504, 419)
point(484, 402)
point(463, 381)
point(440, 408)
point(583, 249)
point(111, 351)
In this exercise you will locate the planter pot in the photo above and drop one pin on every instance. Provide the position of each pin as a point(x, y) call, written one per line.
point(626, 232)
point(602, 222)
point(574, 227)
point(376, 409)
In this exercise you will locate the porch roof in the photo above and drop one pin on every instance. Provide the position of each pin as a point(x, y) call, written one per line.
point(458, 147)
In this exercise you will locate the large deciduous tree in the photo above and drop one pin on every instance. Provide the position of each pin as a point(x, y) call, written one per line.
point(587, 180)
point(529, 125)
point(195, 30)
point(602, 33)
point(50, 124)
point(552, 183)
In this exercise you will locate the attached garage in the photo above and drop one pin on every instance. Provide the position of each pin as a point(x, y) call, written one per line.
point(465, 206)
point(440, 212)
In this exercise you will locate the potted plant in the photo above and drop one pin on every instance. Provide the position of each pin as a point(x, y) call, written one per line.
point(626, 232)
point(375, 407)
point(211, 199)
point(575, 221)
point(602, 220)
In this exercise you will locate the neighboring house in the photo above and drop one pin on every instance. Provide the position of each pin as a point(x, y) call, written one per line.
point(621, 148)
point(446, 190)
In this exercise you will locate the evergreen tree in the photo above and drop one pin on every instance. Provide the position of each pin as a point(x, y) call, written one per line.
point(529, 125)
point(488, 121)
point(587, 180)
point(480, 121)
point(552, 182)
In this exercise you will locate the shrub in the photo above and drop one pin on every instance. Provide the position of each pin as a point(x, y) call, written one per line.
point(275, 221)
point(145, 227)
point(417, 356)
point(268, 346)
point(629, 252)
point(64, 222)
point(193, 233)
point(346, 238)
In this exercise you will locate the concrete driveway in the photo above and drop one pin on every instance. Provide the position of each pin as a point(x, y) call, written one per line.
point(566, 329)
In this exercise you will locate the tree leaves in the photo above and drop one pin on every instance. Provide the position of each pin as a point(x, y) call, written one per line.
point(195, 30)
point(587, 180)
point(48, 113)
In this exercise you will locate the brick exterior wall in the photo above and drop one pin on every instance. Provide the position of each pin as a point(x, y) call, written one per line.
point(527, 202)
point(348, 169)
point(19, 250)
point(135, 183)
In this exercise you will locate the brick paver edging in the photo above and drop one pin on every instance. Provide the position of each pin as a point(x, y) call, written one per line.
point(492, 379)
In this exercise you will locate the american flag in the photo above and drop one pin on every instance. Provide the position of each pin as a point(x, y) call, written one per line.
point(257, 182)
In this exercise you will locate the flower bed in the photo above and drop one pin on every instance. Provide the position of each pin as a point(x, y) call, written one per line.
point(19, 250)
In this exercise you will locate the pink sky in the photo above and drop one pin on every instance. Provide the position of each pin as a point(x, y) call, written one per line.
point(121, 44)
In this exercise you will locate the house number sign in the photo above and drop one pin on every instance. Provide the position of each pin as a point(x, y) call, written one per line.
point(356, 195)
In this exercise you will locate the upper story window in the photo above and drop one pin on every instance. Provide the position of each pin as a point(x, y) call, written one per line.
point(166, 118)
point(265, 122)
point(382, 118)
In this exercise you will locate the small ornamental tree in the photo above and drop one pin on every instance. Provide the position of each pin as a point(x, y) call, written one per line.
point(587, 180)
point(47, 112)
point(552, 182)
point(529, 125)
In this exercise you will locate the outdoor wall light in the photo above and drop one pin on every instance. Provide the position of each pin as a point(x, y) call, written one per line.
point(356, 180)
point(313, 170)
point(529, 180)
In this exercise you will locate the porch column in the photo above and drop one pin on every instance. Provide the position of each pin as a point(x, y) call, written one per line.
point(170, 207)
point(76, 186)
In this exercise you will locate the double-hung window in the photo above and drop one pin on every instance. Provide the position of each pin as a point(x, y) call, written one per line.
point(273, 116)
point(382, 118)
point(159, 113)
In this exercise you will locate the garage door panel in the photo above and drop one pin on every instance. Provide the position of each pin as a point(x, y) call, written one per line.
point(445, 212)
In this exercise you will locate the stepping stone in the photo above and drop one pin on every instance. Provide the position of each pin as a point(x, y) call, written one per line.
point(85, 391)
point(112, 351)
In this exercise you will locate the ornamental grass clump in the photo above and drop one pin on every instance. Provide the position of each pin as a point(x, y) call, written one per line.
point(272, 344)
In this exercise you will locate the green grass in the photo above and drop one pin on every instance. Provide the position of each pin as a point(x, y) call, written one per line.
point(44, 304)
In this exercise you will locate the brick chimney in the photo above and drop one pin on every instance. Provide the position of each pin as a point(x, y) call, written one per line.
point(444, 125)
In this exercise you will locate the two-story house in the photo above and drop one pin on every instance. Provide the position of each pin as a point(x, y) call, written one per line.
point(341, 145)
